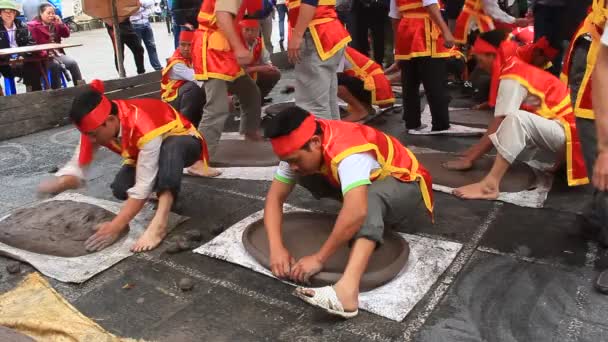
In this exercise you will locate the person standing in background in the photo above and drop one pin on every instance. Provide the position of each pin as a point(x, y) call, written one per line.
point(141, 24)
point(370, 16)
point(130, 38)
point(185, 13)
point(282, 10)
point(266, 28)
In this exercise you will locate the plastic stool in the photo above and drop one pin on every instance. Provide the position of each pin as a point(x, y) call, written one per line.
point(48, 75)
point(9, 86)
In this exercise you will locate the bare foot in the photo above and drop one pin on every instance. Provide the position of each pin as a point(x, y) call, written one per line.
point(482, 190)
point(199, 169)
point(151, 238)
point(459, 164)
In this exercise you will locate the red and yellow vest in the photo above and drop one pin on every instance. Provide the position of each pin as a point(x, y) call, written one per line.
point(342, 139)
point(257, 53)
point(472, 12)
point(212, 55)
point(328, 33)
point(169, 89)
point(372, 75)
point(418, 36)
point(555, 105)
point(142, 120)
point(593, 25)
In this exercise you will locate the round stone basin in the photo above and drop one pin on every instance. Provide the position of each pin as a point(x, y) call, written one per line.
point(304, 234)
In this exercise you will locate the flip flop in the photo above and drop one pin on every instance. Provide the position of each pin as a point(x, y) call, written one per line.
point(325, 298)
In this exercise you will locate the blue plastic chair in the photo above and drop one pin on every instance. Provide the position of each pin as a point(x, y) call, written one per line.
point(48, 75)
point(9, 86)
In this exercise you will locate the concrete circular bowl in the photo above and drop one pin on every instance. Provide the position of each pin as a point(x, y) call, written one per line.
point(305, 232)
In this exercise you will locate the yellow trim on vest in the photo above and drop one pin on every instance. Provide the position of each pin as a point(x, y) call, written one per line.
point(410, 7)
point(325, 55)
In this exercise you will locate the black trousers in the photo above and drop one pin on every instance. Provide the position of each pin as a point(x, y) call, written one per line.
point(431, 72)
point(368, 19)
point(190, 102)
point(548, 23)
point(130, 38)
point(176, 153)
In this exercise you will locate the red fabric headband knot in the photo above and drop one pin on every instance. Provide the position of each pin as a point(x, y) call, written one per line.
point(287, 144)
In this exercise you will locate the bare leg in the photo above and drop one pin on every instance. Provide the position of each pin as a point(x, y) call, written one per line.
point(347, 288)
point(199, 169)
point(157, 229)
point(487, 188)
point(357, 110)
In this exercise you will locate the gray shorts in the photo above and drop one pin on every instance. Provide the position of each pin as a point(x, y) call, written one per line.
point(389, 202)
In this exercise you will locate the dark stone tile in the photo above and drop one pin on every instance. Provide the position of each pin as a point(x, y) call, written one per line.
point(537, 233)
point(498, 298)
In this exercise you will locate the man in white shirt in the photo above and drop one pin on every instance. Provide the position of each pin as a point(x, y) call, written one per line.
point(156, 142)
point(379, 183)
point(141, 24)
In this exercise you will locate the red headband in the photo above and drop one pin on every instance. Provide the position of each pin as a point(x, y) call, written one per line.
point(287, 144)
point(504, 51)
point(482, 46)
point(186, 36)
point(249, 23)
point(99, 114)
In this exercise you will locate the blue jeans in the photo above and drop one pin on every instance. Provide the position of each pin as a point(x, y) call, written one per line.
point(176, 30)
point(282, 9)
point(145, 33)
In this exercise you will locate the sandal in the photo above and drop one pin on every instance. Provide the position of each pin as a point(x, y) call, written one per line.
point(325, 298)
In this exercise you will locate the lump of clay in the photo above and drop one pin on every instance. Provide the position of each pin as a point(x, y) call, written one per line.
point(304, 233)
point(57, 228)
point(232, 153)
point(186, 284)
point(14, 267)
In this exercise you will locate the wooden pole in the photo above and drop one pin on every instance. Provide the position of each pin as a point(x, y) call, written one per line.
point(119, 51)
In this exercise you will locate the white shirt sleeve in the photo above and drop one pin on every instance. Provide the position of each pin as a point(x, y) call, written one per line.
point(511, 95)
point(284, 173)
point(427, 3)
point(146, 169)
point(355, 170)
point(394, 10)
point(605, 36)
point(493, 10)
point(180, 71)
point(72, 167)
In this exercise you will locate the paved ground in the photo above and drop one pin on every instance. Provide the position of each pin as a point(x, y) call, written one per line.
point(522, 274)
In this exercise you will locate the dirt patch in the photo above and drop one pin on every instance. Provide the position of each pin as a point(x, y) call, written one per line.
point(57, 228)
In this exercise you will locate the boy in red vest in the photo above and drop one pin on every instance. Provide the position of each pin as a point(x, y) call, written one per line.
point(260, 69)
point(156, 142)
point(533, 112)
point(375, 176)
point(363, 84)
point(178, 86)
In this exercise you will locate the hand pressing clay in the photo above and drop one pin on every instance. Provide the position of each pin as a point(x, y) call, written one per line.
point(57, 228)
point(186, 284)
